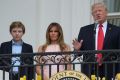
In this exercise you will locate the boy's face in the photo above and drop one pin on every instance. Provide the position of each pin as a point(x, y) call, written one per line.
point(17, 34)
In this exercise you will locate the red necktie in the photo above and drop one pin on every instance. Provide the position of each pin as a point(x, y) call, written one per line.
point(100, 43)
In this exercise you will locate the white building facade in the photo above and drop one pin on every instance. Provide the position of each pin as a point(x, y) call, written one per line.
point(36, 15)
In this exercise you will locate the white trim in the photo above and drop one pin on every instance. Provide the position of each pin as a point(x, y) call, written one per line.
point(114, 14)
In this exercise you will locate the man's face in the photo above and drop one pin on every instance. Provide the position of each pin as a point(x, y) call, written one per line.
point(99, 13)
point(17, 34)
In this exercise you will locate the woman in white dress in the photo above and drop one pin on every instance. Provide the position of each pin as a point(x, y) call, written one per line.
point(54, 43)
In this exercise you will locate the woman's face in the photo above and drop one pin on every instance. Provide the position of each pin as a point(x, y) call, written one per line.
point(54, 34)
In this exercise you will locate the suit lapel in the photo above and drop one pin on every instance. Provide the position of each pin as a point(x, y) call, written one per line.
point(107, 35)
point(9, 50)
point(10, 47)
point(93, 36)
point(23, 48)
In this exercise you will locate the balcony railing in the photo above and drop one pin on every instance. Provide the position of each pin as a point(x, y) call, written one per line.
point(74, 59)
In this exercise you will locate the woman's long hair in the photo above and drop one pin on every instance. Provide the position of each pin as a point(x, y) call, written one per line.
point(60, 39)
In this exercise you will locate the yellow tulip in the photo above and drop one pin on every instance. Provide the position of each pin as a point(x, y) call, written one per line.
point(39, 77)
point(24, 77)
point(93, 77)
point(21, 78)
point(118, 76)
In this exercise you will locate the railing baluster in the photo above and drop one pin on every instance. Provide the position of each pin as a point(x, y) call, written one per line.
point(57, 67)
point(50, 71)
point(106, 69)
point(3, 74)
point(114, 71)
point(73, 66)
point(42, 74)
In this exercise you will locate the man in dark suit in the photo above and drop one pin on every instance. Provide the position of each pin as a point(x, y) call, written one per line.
point(17, 46)
point(88, 39)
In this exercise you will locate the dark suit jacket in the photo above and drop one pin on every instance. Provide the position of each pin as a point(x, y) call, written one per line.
point(6, 48)
point(111, 40)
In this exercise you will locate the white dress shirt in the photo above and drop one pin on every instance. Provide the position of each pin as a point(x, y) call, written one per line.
point(16, 49)
point(104, 31)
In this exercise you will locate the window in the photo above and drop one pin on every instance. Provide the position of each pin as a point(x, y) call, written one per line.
point(114, 11)
point(112, 5)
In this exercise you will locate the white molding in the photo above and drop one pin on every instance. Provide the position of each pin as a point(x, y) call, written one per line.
point(114, 14)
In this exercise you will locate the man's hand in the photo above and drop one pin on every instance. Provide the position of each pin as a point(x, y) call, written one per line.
point(77, 45)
